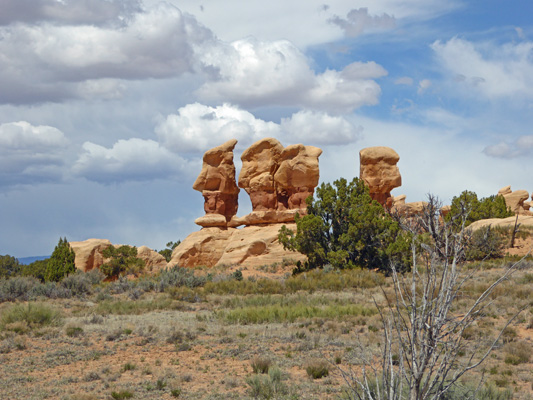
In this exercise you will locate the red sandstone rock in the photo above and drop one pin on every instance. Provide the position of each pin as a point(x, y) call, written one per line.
point(380, 172)
point(89, 253)
point(217, 181)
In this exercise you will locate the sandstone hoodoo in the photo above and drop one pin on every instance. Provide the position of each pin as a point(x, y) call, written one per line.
point(516, 200)
point(217, 184)
point(277, 179)
point(380, 172)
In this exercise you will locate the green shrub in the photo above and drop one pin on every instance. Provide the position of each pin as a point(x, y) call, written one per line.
point(268, 386)
point(260, 365)
point(344, 227)
point(35, 315)
point(488, 207)
point(317, 368)
point(485, 243)
point(123, 260)
point(61, 262)
point(517, 353)
point(178, 276)
point(17, 288)
point(74, 331)
point(128, 367)
point(9, 266)
point(123, 394)
point(78, 283)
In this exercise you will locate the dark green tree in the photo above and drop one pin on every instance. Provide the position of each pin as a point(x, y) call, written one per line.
point(37, 269)
point(9, 266)
point(167, 253)
point(122, 260)
point(61, 262)
point(468, 202)
point(344, 227)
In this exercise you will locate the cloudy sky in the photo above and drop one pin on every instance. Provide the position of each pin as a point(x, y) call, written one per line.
point(106, 106)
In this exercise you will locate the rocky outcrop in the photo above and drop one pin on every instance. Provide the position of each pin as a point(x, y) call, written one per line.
point(278, 181)
point(379, 171)
point(516, 200)
point(218, 186)
point(408, 210)
point(250, 246)
point(89, 253)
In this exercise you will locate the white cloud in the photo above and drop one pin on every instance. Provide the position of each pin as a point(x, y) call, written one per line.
point(404, 80)
point(359, 21)
point(197, 127)
point(254, 73)
point(492, 70)
point(319, 128)
point(521, 147)
point(44, 61)
point(70, 11)
point(128, 160)
point(30, 154)
point(423, 85)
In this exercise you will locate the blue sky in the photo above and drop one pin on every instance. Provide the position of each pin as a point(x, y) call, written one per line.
point(106, 106)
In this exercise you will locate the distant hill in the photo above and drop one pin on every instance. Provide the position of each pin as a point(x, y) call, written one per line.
point(29, 260)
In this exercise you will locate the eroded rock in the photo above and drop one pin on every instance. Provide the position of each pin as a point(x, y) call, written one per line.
point(516, 200)
point(379, 171)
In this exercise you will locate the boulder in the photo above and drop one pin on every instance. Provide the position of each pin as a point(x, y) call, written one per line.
point(250, 246)
point(516, 200)
point(89, 253)
point(380, 173)
point(153, 261)
point(217, 181)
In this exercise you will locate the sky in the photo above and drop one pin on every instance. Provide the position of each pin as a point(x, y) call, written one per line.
point(107, 106)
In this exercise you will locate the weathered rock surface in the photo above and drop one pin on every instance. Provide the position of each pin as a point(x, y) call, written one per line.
point(89, 253)
point(153, 261)
point(250, 246)
point(523, 220)
point(398, 205)
point(379, 171)
point(217, 181)
point(259, 164)
point(297, 176)
point(516, 200)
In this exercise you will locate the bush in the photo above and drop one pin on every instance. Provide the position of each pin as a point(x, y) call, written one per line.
point(61, 263)
point(346, 228)
point(36, 269)
point(260, 365)
point(517, 353)
point(79, 284)
point(9, 266)
point(34, 315)
point(123, 261)
point(488, 207)
point(17, 288)
point(50, 290)
point(267, 387)
point(317, 368)
point(485, 243)
point(178, 276)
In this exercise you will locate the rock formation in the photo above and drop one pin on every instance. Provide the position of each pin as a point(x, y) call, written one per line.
point(218, 186)
point(277, 179)
point(89, 255)
point(516, 200)
point(380, 172)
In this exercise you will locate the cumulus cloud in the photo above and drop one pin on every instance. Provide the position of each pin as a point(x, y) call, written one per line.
point(42, 61)
point(255, 73)
point(30, 154)
point(492, 70)
point(128, 160)
point(521, 147)
point(197, 127)
point(319, 128)
point(94, 12)
point(359, 21)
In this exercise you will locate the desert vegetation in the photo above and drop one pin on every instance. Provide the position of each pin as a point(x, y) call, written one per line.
point(430, 321)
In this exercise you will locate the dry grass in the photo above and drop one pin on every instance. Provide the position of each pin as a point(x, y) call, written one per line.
point(232, 339)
